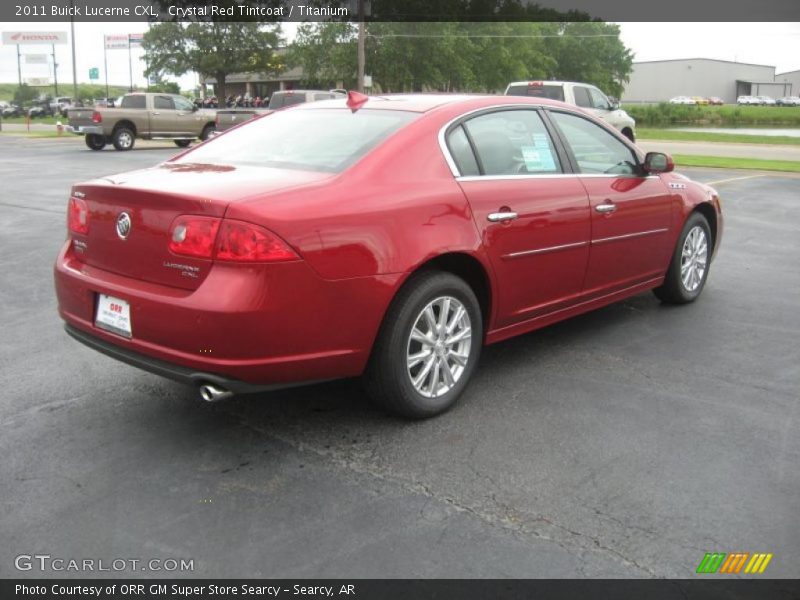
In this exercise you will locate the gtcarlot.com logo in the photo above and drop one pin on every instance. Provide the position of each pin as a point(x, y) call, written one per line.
point(721, 562)
point(46, 562)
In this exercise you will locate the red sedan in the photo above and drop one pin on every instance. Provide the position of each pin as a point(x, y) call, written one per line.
point(386, 236)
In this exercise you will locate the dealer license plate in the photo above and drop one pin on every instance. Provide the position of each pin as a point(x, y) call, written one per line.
point(114, 315)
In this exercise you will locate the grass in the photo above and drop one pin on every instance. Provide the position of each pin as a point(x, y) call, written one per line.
point(42, 120)
point(662, 114)
point(645, 133)
point(724, 162)
point(37, 134)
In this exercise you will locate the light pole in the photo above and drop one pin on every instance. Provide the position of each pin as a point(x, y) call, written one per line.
point(74, 65)
point(361, 39)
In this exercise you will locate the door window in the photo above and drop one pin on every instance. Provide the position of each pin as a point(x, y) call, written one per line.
point(461, 152)
point(163, 103)
point(134, 101)
point(599, 100)
point(595, 149)
point(582, 98)
point(182, 103)
point(513, 142)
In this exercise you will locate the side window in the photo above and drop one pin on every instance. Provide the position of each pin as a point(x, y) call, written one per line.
point(323, 97)
point(163, 103)
point(513, 142)
point(461, 152)
point(135, 101)
point(582, 98)
point(595, 149)
point(183, 103)
point(599, 100)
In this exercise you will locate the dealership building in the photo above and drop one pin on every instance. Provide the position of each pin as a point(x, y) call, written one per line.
point(660, 80)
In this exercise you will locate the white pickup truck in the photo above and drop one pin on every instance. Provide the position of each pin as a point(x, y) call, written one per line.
point(580, 94)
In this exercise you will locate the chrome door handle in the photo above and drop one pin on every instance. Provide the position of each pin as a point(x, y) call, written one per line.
point(605, 208)
point(156, 113)
point(501, 216)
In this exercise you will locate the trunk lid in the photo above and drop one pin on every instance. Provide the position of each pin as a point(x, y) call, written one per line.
point(152, 199)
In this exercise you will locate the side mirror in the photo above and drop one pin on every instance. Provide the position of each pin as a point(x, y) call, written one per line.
point(613, 102)
point(658, 162)
point(195, 108)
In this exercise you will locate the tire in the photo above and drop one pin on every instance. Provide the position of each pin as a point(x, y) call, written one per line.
point(123, 138)
point(688, 269)
point(95, 141)
point(208, 130)
point(388, 379)
point(182, 143)
point(628, 133)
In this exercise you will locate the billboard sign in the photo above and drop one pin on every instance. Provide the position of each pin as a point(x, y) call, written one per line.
point(135, 39)
point(34, 37)
point(117, 41)
point(36, 59)
point(37, 81)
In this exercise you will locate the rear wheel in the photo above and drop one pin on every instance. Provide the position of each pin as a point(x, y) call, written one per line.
point(688, 269)
point(182, 143)
point(208, 131)
point(428, 347)
point(95, 141)
point(123, 138)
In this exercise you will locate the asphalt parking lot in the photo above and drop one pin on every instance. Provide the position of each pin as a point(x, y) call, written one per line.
point(624, 443)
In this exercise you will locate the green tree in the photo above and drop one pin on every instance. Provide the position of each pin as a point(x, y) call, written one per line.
point(592, 53)
point(24, 94)
point(327, 54)
point(211, 49)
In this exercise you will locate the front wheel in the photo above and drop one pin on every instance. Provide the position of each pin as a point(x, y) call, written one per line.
point(95, 141)
point(428, 347)
point(688, 269)
point(207, 132)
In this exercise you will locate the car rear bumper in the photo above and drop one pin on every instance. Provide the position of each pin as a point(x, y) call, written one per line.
point(85, 129)
point(244, 327)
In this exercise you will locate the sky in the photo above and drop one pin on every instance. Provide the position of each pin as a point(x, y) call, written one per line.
point(775, 44)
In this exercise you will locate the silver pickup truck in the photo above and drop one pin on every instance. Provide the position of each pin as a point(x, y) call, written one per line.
point(148, 116)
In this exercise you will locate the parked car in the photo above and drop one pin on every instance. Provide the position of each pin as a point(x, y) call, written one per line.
point(765, 100)
point(682, 100)
point(716, 101)
point(151, 116)
point(391, 237)
point(748, 100)
point(788, 101)
point(11, 110)
point(40, 109)
point(59, 106)
point(578, 94)
point(700, 100)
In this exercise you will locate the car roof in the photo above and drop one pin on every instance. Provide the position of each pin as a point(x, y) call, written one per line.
point(426, 102)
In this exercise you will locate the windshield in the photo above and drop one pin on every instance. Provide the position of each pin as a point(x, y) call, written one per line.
point(328, 140)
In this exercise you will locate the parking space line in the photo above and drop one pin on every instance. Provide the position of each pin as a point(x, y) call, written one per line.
point(733, 179)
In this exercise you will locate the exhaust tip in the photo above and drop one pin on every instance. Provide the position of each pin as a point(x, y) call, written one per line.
point(213, 393)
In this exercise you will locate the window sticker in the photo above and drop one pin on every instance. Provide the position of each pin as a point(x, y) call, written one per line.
point(538, 158)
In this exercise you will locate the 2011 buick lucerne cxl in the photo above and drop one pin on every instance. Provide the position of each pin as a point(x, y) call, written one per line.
point(390, 237)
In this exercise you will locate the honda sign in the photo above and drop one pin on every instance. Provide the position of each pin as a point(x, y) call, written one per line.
point(34, 37)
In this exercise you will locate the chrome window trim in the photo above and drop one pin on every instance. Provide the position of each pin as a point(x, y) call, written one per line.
point(457, 174)
point(628, 236)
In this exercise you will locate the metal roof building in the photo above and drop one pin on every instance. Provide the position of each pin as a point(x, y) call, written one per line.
point(660, 80)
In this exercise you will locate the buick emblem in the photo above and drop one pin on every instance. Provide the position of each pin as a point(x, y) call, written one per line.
point(123, 225)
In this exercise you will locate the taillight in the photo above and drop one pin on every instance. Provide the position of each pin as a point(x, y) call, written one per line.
point(78, 216)
point(97, 117)
point(193, 236)
point(224, 239)
point(239, 241)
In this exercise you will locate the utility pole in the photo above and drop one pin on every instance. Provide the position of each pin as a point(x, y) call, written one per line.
point(55, 68)
point(19, 66)
point(75, 98)
point(130, 63)
point(105, 64)
point(361, 40)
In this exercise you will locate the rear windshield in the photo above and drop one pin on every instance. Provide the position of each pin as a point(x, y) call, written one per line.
point(553, 92)
point(328, 140)
point(280, 100)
